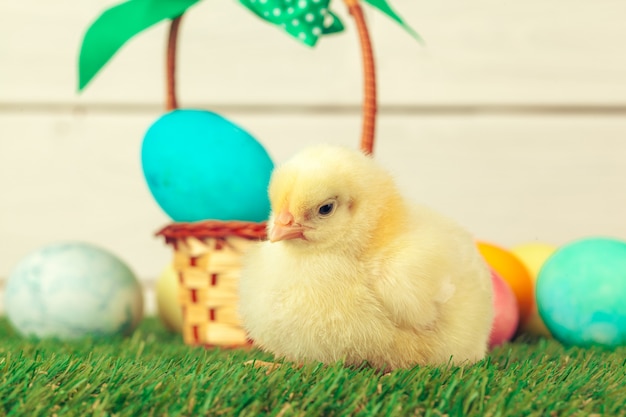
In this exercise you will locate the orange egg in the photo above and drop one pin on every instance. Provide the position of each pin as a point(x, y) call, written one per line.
point(513, 271)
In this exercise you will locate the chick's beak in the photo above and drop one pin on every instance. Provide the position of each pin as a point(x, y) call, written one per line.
point(284, 228)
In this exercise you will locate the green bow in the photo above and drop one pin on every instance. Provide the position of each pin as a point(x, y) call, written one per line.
point(384, 7)
point(305, 20)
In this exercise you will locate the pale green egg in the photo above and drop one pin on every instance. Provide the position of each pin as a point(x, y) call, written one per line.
point(71, 290)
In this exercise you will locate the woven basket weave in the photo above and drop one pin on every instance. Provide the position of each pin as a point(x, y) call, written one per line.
point(207, 259)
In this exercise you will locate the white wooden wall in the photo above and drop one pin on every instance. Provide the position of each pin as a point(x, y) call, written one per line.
point(512, 118)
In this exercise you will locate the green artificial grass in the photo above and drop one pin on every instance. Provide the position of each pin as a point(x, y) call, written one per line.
point(152, 373)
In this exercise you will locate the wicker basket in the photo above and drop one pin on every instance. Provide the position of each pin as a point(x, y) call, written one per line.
point(207, 259)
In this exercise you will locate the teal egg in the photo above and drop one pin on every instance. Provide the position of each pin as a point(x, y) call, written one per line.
point(73, 289)
point(199, 165)
point(581, 293)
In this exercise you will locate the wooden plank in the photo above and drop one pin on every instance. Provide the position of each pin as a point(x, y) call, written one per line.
point(481, 52)
point(507, 179)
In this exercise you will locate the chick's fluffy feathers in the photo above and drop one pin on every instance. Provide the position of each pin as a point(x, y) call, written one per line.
point(380, 280)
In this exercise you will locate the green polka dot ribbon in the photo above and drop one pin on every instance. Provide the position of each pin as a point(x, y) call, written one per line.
point(306, 20)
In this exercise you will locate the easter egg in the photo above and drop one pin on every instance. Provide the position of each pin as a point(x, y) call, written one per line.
point(70, 290)
point(581, 293)
point(199, 165)
point(506, 312)
point(168, 306)
point(513, 271)
point(533, 256)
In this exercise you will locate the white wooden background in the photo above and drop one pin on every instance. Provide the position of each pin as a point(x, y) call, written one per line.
point(512, 118)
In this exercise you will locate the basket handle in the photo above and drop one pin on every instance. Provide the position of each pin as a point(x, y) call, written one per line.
point(171, 100)
point(370, 106)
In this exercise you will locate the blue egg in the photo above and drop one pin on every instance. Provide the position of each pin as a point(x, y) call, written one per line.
point(73, 289)
point(581, 293)
point(200, 166)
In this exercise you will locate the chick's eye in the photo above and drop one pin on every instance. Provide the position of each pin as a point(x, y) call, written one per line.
point(326, 209)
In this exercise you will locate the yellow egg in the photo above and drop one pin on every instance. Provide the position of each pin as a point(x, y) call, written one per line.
point(168, 306)
point(534, 255)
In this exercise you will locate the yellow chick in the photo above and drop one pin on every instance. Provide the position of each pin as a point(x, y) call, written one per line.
point(354, 272)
